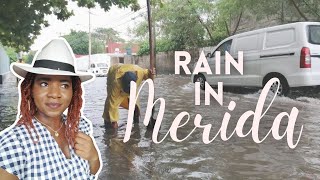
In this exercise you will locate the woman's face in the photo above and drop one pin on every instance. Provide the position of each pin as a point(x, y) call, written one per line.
point(52, 94)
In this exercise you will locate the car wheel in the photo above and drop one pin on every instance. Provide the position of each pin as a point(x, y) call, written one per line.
point(200, 78)
point(283, 87)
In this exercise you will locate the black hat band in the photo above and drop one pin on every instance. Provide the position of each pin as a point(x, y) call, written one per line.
point(43, 63)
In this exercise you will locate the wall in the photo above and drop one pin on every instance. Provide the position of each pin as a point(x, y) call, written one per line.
point(4, 64)
point(165, 63)
point(112, 46)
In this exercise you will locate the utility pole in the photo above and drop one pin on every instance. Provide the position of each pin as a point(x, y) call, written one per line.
point(151, 38)
point(152, 121)
point(89, 38)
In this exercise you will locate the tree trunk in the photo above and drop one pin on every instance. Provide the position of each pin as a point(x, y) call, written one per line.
point(238, 23)
point(201, 22)
point(311, 9)
point(206, 27)
point(227, 27)
point(282, 13)
point(299, 11)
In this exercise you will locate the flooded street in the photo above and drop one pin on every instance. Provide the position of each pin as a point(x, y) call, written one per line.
point(237, 158)
point(8, 102)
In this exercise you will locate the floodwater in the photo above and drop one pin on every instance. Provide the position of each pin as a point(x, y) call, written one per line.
point(236, 158)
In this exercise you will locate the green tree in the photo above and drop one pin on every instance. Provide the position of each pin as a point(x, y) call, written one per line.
point(22, 20)
point(179, 24)
point(11, 52)
point(233, 16)
point(107, 35)
point(186, 24)
point(140, 31)
point(79, 42)
point(162, 45)
point(30, 57)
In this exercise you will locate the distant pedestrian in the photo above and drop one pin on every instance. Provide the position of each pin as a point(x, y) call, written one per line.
point(118, 91)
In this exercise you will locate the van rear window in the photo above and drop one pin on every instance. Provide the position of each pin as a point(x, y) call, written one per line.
point(102, 65)
point(314, 34)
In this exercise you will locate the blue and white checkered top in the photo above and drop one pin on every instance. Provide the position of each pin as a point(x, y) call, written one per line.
point(43, 160)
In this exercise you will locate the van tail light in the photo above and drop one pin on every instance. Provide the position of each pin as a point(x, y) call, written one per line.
point(305, 58)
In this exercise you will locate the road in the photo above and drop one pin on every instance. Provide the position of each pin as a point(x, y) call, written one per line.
point(236, 158)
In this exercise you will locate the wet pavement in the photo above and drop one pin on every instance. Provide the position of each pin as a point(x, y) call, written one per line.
point(8, 101)
point(237, 158)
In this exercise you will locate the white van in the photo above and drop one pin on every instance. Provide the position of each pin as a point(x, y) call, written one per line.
point(290, 52)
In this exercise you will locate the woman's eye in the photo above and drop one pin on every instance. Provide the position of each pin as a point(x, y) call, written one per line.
point(65, 86)
point(43, 84)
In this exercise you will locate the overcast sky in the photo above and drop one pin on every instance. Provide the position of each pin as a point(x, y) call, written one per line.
point(118, 19)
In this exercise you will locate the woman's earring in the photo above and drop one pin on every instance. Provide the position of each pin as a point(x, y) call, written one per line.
point(29, 105)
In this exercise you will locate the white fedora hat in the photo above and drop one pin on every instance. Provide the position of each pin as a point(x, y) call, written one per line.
point(55, 58)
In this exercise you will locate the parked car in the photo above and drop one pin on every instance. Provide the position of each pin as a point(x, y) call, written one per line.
point(99, 68)
point(290, 52)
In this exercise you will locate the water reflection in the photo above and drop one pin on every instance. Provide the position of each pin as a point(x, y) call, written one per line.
point(126, 153)
point(8, 102)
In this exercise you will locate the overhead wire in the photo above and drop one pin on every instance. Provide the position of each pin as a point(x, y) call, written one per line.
point(129, 20)
point(126, 16)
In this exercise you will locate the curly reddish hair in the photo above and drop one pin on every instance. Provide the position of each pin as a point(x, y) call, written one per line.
point(28, 108)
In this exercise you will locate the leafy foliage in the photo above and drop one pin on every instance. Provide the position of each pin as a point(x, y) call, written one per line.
point(30, 57)
point(107, 35)
point(79, 42)
point(183, 24)
point(162, 45)
point(11, 52)
point(14, 57)
point(177, 26)
point(22, 20)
